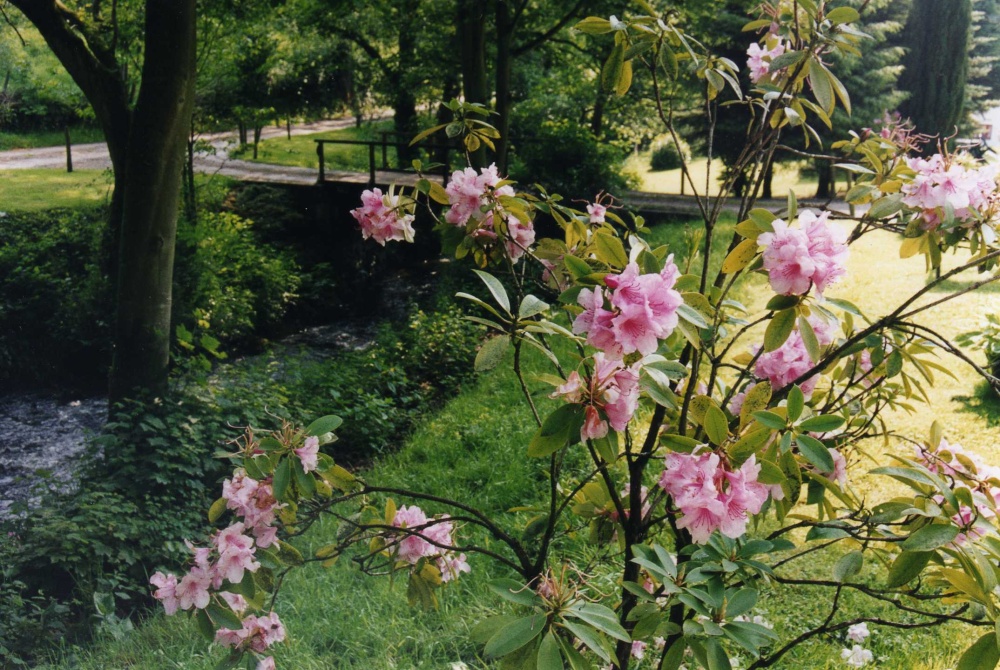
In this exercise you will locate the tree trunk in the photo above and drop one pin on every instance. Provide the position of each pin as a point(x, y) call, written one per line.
point(597, 120)
point(405, 102)
point(69, 151)
point(505, 31)
point(472, 24)
point(161, 121)
point(256, 138)
point(768, 179)
point(241, 127)
point(824, 179)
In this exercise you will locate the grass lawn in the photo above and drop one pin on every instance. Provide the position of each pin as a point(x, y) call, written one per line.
point(786, 176)
point(300, 150)
point(473, 450)
point(49, 138)
point(32, 190)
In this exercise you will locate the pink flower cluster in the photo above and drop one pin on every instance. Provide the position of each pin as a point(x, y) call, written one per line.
point(942, 182)
point(758, 67)
point(596, 211)
point(308, 454)
point(789, 361)
point(258, 633)
point(254, 502)
point(612, 389)
point(797, 258)
point(643, 310)
point(965, 469)
point(710, 496)
point(469, 193)
point(380, 218)
point(430, 539)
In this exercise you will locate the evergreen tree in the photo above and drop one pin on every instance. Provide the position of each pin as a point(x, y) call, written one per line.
point(938, 34)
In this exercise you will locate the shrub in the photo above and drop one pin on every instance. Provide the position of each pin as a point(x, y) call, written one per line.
point(665, 156)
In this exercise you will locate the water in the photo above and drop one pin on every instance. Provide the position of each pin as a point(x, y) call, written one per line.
point(42, 435)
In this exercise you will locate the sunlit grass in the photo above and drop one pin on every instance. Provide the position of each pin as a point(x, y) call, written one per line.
point(32, 190)
point(300, 150)
point(49, 138)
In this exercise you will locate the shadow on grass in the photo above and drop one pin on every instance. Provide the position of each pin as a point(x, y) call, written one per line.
point(953, 285)
point(984, 402)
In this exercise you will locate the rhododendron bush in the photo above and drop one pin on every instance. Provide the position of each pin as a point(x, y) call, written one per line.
point(699, 447)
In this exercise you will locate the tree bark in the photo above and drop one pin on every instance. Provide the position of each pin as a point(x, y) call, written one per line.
point(504, 35)
point(161, 120)
point(472, 23)
point(824, 179)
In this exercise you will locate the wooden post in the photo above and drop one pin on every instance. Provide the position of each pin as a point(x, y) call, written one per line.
point(322, 162)
point(371, 163)
point(69, 151)
point(385, 154)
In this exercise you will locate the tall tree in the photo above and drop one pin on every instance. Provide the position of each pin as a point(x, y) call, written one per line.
point(937, 33)
point(146, 135)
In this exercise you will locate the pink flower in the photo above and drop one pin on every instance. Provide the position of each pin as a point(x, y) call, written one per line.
point(258, 633)
point(797, 258)
point(638, 650)
point(469, 192)
point(166, 586)
point(266, 663)
point(759, 68)
point(594, 427)
point(192, 590)
point(941, 183)
point(572, 390)
point(380, 218)
point(451, 566)
point(308, 453)
point(786, 364)
point(597, 212)
point(522, 236)
point(644, 311)
point(858, 632)
point(235, 601)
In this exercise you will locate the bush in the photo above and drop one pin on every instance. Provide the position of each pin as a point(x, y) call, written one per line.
point(568, 159)
point(665, 156)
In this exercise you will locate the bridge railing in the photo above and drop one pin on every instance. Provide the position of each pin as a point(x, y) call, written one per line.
point(438, 151)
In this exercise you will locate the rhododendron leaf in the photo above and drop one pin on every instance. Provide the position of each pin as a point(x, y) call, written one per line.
point(763, 219)
point(594, 25)
point(496, 289)
point(679, 443)
point(487, 628)
point(716, 425)
point(716, 655)
point(842, 94)
point(845, 305)
point(822, 424)
point(515, 592)
point(886, 206)
point(930, 537)
point(419, 592)
point(755, 400)
point(691, 315)
point(612, 70)
point(740, 602)
point(792, 207)
point(819, 79)
point(531, 306)
point(557, 430)
point(815, 452)
point(610, 251)
point(771, 420)
point(282, 478)
point(426, 133)
point(906, 567)
point(786, 59)
point(217, 509)
point(224, 617)
point(289, 554)
point(515, 635)
point(304, 482)
point(795, 404)
point(699, 406)
point(982, 655)
point(625, 78)
point(205, 625)
point(770, 473)
point(590, 638)
point(607, 447)
point(575, 659)
point(601, 618)
point(740, 256)
point(491, 353)
point(843, 15)
point(893, 364)
point(809, 338)
point(549, 657)
point(778, 329)
point(825, 533)
point(324, 425)
point(849, 565)
point(748, 444)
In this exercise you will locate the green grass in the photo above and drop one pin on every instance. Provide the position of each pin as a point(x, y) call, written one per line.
point(36, 189)
point(49, 138)
point(300, 150)
point(473, 450)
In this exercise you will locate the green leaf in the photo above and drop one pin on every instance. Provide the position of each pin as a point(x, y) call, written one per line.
point(886, 206)
point(786, 59)
point(487, 628)
point(930, 537)
point(549, 657)
point(763, 218)
point(496, 289)
point(849, 565)
point(282, 478)
point(609, 250)
point(491, 353)
point(843, 15)
point(691, 315)
point(205, 625)
point(512, 637)
point(224, 617)
point(740, 256)
point(217, 509)
point(675, 656)
point(822, 88)
point(556, 431)
point(748, 444)
point(755, 400)
point(716, 425)
point(793, 203)
point(531, 306)
point(809, 338)
point(796, 403)
point(601, 618)
point(778, 329)
point(515, 592)
point(770, 419)
point(822, 424)
point(741, 601)
point(718, 659)
point(594, 25)
point(589, 637)
point(613, 66)
point(303, 480)
point(907, 565)
point(780, 302)
point(815, 452)
point(982, 655)
point(324, 425)
point(577, 267)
